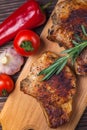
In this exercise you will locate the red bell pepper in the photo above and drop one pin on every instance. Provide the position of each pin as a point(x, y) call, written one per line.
point(29, 15)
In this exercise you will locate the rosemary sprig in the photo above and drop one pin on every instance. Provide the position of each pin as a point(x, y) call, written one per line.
point(60, 63)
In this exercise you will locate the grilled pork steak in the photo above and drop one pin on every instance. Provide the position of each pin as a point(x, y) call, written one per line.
point(54, 95)
point(67, 18)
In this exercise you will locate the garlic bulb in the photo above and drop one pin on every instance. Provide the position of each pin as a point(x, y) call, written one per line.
point(10, 61)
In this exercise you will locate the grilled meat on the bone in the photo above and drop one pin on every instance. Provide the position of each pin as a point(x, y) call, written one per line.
point(67, 18)
point(56, 94)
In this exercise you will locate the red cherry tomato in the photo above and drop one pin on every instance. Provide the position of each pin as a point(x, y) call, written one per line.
point(6, 85)
point(26, 42)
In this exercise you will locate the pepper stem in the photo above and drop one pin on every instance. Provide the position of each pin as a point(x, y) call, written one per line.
point(27, 46)
point(46, 5)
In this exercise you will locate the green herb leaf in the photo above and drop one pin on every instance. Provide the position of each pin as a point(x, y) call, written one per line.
point(78, 38)
point(62, 66)
point(75, 43)
point(84, 30)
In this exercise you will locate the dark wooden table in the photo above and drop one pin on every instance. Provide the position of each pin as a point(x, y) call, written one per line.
point(6, 8)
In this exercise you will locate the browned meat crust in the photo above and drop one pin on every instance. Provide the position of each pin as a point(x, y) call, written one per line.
point(81, 63)
point(67, 19)
point(56, 94)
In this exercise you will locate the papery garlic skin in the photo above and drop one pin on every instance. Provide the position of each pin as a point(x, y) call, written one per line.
point(10, 61)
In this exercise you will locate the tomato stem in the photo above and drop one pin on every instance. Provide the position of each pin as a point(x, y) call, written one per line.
point(27, 46)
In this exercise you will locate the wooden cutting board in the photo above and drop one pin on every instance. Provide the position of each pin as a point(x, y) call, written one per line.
point(23, 112)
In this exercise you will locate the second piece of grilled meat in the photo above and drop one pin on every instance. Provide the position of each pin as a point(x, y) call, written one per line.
point(54, 95)
point(67, 18)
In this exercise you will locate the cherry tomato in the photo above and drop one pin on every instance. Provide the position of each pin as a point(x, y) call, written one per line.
point(6, 84)
point(26, 42)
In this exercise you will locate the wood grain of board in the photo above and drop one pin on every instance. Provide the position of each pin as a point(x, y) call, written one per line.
point(22, 112)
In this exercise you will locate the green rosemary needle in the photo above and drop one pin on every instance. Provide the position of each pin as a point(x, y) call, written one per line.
point(84, 30)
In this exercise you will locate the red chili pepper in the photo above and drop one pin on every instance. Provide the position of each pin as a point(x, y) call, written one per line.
point(29, 15)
